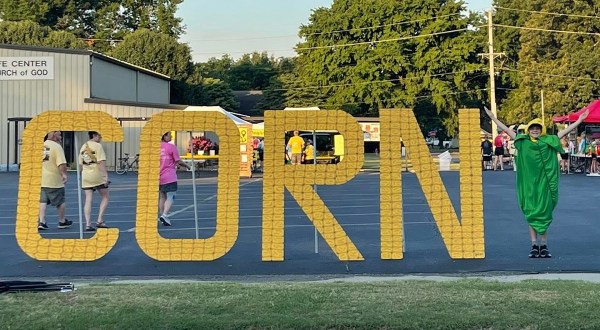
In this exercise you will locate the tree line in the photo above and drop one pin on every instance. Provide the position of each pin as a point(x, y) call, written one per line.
point(356, 55)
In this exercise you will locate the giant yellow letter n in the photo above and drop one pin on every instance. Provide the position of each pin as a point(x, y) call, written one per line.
point(464, 239)
point(146, 230)
point(30, 176)
point(299, 178)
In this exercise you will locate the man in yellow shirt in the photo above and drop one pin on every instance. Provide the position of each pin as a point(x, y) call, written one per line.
point(54, 177)
point(296, 144)
point(94, 177)
point(309, 153)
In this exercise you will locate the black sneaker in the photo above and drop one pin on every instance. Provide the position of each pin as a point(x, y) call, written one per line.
point(42, 226)
point(66, 224)
point(544, 253)
point(90, 228)
point(164, 220)
point(535, 251)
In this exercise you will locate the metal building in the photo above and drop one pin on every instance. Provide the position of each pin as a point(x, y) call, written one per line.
point(36, 79)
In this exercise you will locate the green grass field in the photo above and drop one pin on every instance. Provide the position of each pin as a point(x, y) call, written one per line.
point(463, 304)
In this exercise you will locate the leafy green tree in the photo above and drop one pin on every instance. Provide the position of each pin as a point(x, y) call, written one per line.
point(97, 18)
point(161, 53)
point(219, 93)
point(32, 34)
point(273, 97)
point(24, 10)
point(22, 33)
point(64, 39)
point(217, 68)
point(156, 15)
point(563, 65)
point(252, 72)
point(374, 74)
point(156, 51)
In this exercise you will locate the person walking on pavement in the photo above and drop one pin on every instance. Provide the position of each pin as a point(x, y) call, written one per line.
point(54, 177)
point(537, 177)
point(169, 160)
point(94, 177)
point(499, 151)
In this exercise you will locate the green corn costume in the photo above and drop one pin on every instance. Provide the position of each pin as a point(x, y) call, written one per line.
point(537, 176)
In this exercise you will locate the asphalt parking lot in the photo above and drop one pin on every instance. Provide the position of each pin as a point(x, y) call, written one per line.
point(573, 235)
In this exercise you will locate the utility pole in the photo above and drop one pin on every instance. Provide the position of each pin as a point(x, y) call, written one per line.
point(491, 56)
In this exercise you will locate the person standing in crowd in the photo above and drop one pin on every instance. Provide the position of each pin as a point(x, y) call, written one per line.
point(296, 145)
point(169, 160)
point(309, 153)
point(537, 177)
point(499, 151)
point(564, 157)
point(94, 177)
point(486, 152)
point(261, 153)
point(54, 177)
point(594, 148)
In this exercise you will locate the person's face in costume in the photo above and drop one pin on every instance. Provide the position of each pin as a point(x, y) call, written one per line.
point(535, 131)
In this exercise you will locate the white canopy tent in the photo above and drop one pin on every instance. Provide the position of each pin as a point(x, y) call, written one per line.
point(212, 135)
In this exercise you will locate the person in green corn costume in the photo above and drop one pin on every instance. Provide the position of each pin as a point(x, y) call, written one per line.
point(537, 177)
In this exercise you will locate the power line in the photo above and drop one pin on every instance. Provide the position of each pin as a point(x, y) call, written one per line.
point(349, 44)
point(545, 12)
point(551, 75)
point(385, 25)
point(384, 40)
point(546, 30)
point(329, 32)
point(423, 97)
point(377, 81)
point(454, 93)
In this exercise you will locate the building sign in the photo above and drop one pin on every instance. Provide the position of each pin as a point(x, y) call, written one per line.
point(27, 68)
point(371, 131)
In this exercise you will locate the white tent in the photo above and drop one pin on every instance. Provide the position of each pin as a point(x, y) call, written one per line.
point(237, 120)
point(245, 143)
point(258, 130)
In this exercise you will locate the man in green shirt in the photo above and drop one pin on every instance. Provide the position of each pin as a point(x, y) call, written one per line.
point(537, 177)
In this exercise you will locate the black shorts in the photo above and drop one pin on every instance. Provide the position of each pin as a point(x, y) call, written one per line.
point(499, 151)
point(98, 187)
point(53, 196)
point(261, 155)
point(486, 158)
point(594, 156)
point(564, 156)
point(168, 187)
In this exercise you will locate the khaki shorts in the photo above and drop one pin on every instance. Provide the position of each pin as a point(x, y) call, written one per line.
point(53, 196)
point(296, 158)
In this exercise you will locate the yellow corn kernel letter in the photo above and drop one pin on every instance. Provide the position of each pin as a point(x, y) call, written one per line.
point(146, 231)
point(299, 178)
point(464, 239)
point(28, 204)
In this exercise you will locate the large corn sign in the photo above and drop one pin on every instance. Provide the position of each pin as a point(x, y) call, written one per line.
point(463, 239)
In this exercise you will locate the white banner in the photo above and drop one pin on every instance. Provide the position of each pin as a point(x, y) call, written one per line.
point(27, 68)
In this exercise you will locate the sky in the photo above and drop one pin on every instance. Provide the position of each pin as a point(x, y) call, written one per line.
point(236, 27)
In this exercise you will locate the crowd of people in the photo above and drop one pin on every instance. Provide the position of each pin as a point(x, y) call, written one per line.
point(94, 177)
point(578, 152)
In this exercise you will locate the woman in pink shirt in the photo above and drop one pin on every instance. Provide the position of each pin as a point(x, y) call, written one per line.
point(169, 159)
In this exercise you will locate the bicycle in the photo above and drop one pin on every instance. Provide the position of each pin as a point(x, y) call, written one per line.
point(125, 166)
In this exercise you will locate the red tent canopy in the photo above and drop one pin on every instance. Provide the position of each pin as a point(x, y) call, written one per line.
point(593, 117)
